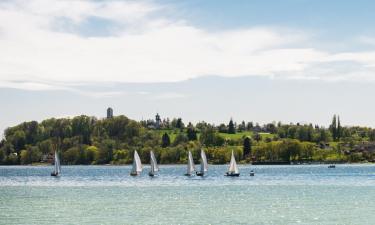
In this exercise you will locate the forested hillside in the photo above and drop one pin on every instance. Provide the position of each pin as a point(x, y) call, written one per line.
point(88, 140)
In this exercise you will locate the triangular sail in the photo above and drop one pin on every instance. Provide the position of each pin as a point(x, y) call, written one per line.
point(154, 163)
point(56, 163)
point(137, 165)
point(190, 166)
point(204, 164)
point(233, 165)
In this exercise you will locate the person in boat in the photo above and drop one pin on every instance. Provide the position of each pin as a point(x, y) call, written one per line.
point(252, 173)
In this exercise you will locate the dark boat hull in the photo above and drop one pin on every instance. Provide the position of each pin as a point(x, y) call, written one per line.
point(152, 174)
point(54, 174)
point(189, 175)
point(200, 174)
point(232, 174)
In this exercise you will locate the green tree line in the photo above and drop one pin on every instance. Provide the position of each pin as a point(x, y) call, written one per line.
point(88, 140)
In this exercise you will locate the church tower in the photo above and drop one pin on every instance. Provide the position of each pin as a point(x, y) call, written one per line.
point(109, 113)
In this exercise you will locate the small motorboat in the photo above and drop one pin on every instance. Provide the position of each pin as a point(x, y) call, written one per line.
point(252, 173)
point(199, 174)
point(331, 166)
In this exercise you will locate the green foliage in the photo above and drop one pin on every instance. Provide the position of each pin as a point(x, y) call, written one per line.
point(165, 140)
point(257, 137)
point(92, 154)
point(210, 137)
point(2, 155)
point(181, 138)
point(191, 133)
point(88, 140)
point(32, 154)
point(246, 147)
point(231, 127)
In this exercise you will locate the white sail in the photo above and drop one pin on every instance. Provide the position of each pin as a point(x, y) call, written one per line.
point(56, 163)
point(137, 165)
point(233, 165)
point(190, 165)
point(154, 164)
point(204, 164)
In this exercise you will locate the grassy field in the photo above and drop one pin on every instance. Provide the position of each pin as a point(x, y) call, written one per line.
point(173, 133)
point(239, 135)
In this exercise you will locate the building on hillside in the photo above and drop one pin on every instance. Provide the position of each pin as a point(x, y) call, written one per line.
point(109, 113)
point(157, 121)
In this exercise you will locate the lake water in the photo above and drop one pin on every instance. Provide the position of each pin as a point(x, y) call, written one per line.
point(308, 194)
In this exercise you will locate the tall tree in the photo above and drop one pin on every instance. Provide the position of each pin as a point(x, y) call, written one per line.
point(249, 126)
point(333, 128)
point(191, 132)
point(231, 127)
point(165, 140)
point(246, 147)
point(338, 129)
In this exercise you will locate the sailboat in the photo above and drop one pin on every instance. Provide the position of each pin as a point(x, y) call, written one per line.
point(233, 169)
point(57, 169)
point(137, 165)
point(204, 165)
point(190, 165)
point(154, 165)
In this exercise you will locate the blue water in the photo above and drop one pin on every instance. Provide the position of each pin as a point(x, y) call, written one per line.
point(306, 194)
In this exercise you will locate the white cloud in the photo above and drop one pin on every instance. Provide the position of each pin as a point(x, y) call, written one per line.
point(168, 95)
point(147, 47)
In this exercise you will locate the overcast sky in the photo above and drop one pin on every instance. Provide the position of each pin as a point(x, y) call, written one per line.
point(127, 53)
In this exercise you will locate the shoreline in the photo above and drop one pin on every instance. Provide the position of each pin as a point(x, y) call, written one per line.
point(241, 164)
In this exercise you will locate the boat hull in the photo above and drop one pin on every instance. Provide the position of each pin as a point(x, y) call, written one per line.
point(200, 174)
point(188, 175)
point(232, 174)
point(134, 174)
point(152, 174)
point(54, 174)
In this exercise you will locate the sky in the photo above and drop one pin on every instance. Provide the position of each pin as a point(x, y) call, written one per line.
point(63, 58)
